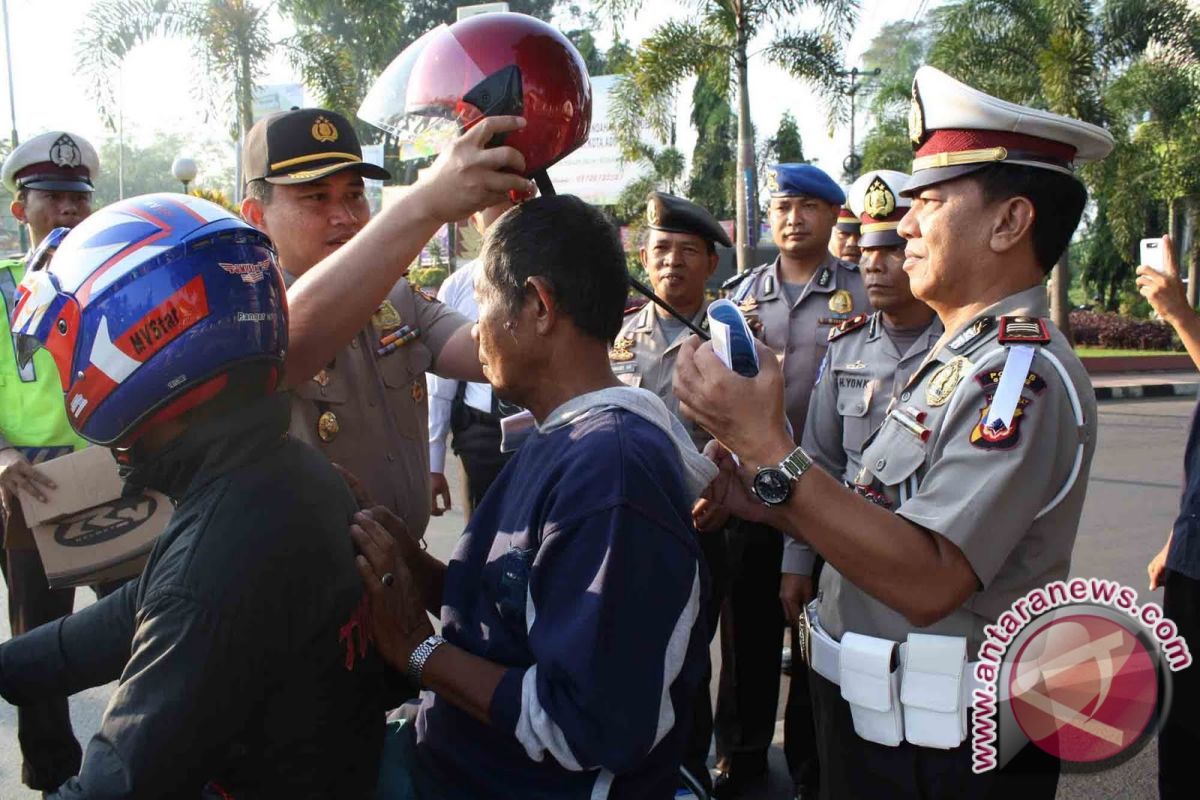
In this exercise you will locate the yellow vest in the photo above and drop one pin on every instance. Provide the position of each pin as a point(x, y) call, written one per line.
point(33, 416)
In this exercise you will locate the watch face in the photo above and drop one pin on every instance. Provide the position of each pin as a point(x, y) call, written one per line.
point(772, 486)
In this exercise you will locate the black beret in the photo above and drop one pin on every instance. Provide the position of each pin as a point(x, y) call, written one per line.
point(665, 212)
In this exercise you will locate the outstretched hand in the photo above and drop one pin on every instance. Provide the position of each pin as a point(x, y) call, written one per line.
point(469, 176)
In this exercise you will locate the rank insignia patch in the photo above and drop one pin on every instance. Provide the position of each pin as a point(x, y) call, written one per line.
point(945, 380)
point(621, 349)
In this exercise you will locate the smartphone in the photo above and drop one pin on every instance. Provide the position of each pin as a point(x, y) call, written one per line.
point(1153, 256)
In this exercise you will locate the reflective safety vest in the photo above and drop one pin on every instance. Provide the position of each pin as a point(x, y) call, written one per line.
point(33, 416)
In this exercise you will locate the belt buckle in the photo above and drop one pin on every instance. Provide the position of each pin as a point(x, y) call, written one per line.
point(804, 635)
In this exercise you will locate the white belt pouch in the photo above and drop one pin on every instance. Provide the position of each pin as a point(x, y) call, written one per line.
point(872, 688)
point(933, 691)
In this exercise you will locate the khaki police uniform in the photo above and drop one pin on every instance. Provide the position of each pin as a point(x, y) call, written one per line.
point(799, 330)
point(963, 474)
point(369, 413)
point(643, 356)
point(863, 371)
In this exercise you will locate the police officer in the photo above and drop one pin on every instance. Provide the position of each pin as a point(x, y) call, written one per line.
point(50, 177)
point(366, 409)
point(791, 304)
point(679, 255)
point(974, 483)
point(870, 358)
point(844, 243)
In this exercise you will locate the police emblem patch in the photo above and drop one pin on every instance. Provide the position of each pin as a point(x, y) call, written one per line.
point(841, 302)
point(879, 202)
point(323, 130)
point(772, 181)
point(653, 215)
point(998, 436)
point(386, 318)
point(327, 426)
point(65, 153)
point(945, 380)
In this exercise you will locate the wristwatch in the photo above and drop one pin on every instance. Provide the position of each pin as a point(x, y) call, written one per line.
point(421, 654)
point(773, 485)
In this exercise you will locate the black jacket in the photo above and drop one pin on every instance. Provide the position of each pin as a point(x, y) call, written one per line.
point(242, 649)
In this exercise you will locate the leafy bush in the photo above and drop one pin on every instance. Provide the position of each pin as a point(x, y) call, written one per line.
point(427, 277)
point(1115, 331)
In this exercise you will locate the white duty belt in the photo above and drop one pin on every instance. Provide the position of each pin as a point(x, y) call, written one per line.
point(916, 691)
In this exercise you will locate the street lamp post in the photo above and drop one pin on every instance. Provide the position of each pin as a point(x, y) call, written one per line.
point(853, 162)
point(184, 170)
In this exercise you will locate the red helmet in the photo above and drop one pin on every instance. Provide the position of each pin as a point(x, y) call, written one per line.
point(486, 65)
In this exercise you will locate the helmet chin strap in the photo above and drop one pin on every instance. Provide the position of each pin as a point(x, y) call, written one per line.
point(546, 188)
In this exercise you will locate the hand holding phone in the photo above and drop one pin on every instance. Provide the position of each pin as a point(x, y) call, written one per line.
point(731, 338)
point(1153, 255)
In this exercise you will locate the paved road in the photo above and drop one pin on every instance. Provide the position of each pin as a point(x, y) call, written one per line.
point(1131, 502)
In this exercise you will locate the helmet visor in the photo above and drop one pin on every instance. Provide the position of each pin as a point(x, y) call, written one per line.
point(38, 303)
point(422, 98)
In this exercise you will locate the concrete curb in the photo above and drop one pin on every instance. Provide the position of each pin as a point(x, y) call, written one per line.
point(1147, 390)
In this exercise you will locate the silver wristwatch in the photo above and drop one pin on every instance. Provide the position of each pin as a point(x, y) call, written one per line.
point(773, 485)
point(421, 654)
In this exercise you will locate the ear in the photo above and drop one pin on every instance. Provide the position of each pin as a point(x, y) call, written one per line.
point(644, 258)
point(17, 209)
point(541, 304)
point(252, 212)
point(712, 263)
point(1012, 224)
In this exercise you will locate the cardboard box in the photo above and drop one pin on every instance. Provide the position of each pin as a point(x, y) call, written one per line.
point(87, 533)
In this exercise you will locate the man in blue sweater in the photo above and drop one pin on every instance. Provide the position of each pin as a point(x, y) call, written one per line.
point(574, 642)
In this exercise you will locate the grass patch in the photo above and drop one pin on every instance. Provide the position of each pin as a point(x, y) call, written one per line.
point(1093, 352)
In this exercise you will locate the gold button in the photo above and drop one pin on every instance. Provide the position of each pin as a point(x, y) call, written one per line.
point(327, 426)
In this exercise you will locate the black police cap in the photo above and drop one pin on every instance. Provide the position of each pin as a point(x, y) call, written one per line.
point(666, 212)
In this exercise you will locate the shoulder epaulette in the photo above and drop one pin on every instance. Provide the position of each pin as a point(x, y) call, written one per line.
point(737, 278)
point(1023, 330)
point(848, 325)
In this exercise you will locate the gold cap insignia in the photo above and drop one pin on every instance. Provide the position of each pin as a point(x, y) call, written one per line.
point(945, 380)
point(772, 181)
point(879, 201)
point(841, 302)
point(916, 118)
point(327, 426)
point(653, 214)
point(324, 131)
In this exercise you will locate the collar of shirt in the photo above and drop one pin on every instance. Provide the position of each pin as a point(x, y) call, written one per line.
point(830, 267)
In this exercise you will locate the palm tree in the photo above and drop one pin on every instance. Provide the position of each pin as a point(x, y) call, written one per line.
point(715, 43)
point(230, 39)
point(1060, 55)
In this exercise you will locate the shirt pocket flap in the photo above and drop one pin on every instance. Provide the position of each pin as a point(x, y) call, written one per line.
point(401, 367)
point(933, 672)
point(866, 671)
point(894, 454)
point(854, 402)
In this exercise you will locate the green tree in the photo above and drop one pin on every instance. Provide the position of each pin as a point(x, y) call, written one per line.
point(714, 41)
point(1060, 55)
point(897, 51)
point(714, 166)
point(148, 168)
point(230, 41)
point(785, 146)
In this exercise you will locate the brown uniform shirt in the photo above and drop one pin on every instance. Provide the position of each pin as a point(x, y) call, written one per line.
point(369, 412)
point(643, 357)
point(799, 331)
point(983, 490)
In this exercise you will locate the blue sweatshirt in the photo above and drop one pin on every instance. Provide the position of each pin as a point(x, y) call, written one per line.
point(581, 573)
